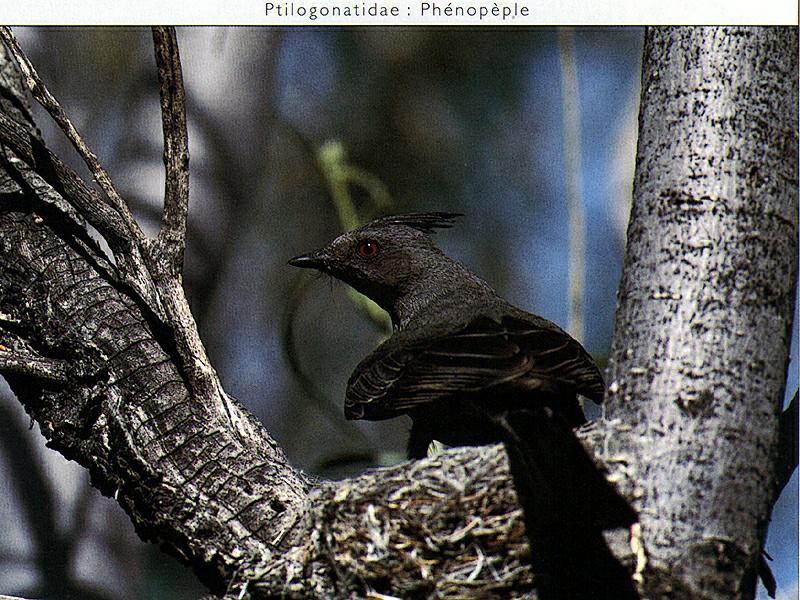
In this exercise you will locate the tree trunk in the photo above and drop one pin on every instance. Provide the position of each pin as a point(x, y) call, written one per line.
point(701, 347)
point(97, 352)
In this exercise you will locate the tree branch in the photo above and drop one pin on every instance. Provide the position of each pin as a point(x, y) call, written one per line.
point(52, 106)
point(130, 254)
point(213, 494)
point(172, 237)
point(88, 203)
point(20, 362)
point(194, 470)
point(165, 258)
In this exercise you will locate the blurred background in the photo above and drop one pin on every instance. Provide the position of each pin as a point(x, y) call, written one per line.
point(294, 135)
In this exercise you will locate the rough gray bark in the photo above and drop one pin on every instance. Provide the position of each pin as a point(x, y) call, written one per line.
point(701, 346)
point(97, 367)
point(105, 357)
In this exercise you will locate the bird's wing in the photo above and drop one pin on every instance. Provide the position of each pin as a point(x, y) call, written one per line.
point(534, 355)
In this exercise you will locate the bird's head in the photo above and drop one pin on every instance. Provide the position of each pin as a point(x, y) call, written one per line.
point(383, 258)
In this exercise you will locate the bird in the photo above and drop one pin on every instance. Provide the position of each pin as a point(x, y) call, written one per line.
point(472, 369)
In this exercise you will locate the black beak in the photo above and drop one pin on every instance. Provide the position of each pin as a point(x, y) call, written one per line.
point(313, 260)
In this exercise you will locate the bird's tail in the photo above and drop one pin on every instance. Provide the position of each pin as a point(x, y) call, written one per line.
point(567, 504)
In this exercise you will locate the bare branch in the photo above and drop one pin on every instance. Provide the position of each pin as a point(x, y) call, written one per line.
point(64, 180)
point(165, 258)
point(19, 362)
point(52, 106)
point(172, 237)
point(765, 574)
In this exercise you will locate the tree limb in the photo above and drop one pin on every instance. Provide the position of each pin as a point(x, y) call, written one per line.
point(164, 259)
point(20, 362)
point(191, 469)
point(130, 252)
point(65, 181)
point(52, 106)
point(172, 237)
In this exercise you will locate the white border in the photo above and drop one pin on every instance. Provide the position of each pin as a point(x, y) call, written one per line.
point(482, 12)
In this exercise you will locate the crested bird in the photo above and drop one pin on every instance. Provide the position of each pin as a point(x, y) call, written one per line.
point(470, 368)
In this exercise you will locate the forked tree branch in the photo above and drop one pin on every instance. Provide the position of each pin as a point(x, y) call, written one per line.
point(42, 95)
point(127, 233)
point(165, 256)
point(152, 269)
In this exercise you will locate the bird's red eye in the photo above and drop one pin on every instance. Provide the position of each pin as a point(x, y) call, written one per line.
point(367, 249)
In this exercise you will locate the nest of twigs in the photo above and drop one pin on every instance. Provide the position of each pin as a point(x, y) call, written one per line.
point(446, 527)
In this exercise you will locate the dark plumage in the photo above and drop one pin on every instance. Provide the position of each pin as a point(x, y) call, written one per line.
point(471, 369)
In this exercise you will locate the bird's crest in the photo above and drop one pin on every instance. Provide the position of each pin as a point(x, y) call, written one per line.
point(424, 222)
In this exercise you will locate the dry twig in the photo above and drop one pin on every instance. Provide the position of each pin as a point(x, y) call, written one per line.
point(172, 237)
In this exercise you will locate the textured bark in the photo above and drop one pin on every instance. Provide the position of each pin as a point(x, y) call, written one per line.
point(95, 366)
point(112, 370)
point(701, 346)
